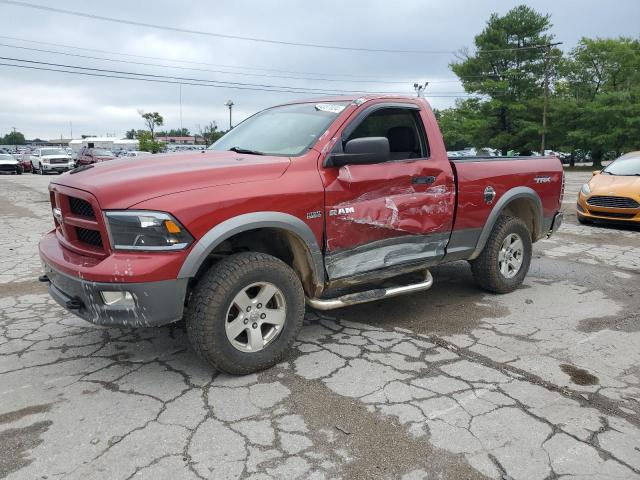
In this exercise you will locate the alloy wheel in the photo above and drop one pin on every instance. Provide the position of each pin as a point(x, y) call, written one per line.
point(255, 317)
point(511, 255)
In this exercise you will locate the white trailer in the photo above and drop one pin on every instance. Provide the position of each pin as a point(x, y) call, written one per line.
point(108, 143)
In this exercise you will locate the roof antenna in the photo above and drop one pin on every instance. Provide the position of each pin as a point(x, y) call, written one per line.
point(420, 89)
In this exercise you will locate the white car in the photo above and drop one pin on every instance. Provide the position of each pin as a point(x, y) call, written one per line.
point(46, 160)
point(137, 153)
point(9, 164)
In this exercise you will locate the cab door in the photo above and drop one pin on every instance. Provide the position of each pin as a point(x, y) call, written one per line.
point(394, 212)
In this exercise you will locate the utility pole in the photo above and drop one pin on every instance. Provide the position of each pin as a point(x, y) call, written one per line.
point(71, 129)
point(15, 141)
point(230, 105)
point(180, 85)
point(545, 102)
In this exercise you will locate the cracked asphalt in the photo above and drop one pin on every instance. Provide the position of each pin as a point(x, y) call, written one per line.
point(453, 383)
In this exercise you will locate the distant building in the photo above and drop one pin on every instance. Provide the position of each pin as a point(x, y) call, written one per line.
point(190, 140)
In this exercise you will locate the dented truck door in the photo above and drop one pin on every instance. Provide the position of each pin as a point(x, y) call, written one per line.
point(396, 212)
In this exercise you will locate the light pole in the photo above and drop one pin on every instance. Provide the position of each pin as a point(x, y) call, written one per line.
point(420, 88)
point(230, 105)
point(15, 141)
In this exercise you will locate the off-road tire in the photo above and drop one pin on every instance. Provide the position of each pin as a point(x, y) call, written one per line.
point(486, 270)
point(210, 301)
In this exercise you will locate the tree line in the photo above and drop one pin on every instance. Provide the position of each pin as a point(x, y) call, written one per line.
point(593, 91)
point(148, 139)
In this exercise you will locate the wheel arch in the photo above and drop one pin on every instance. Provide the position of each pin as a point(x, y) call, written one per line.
point(521, 202)
point(276, 233)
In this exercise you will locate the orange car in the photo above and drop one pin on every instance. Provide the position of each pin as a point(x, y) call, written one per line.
point(613, 194)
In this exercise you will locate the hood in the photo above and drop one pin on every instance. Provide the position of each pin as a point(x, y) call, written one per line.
point(8, 161)
point(56, 157)
point(615, 185)
point(123, 182)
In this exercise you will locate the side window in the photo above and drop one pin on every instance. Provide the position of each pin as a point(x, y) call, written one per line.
point(402, 127)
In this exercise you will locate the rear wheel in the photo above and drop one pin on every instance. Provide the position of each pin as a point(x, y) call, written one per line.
point(245, 313)
point(505, 259)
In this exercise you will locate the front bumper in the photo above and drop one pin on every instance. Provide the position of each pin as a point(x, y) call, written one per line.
point(602, 214)
point(56, 167)
point(155, 303)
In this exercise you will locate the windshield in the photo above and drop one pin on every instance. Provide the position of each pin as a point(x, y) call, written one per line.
point(52, 151)
point(101, 152)
point(625, 165)
point(289, 130)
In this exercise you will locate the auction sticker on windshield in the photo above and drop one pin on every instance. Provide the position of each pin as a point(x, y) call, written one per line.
point(329, 107)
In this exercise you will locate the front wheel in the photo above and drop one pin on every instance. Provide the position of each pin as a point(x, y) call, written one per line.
point(505, 259)
point(245, 313)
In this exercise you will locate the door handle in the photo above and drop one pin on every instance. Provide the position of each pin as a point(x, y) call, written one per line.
point(423, 180)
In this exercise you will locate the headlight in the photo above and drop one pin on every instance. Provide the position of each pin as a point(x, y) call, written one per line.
point(45, 160)
point(146, 230)
point(586, 191)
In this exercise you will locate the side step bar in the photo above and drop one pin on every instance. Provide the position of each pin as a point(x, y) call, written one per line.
point(370, 295)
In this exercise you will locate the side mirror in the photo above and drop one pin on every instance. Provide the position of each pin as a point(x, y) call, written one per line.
point(361, 151)
point(595, 172)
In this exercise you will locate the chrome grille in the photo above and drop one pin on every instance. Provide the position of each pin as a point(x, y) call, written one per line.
point(54, 161)
point(612, 202)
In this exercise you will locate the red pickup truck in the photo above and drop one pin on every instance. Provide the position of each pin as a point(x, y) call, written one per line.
point(326, 202)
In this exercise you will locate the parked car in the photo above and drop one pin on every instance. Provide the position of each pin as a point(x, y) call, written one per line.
point(90, 155)
point(48, 160)
point(613, 193)
point(9, 164)
point(137, 153)
point(293, 203)
point(25, 160)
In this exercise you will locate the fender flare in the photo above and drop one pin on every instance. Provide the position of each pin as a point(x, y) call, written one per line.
point(253, 221)
point(501, 204)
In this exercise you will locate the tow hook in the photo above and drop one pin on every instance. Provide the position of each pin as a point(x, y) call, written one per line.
point(73, 304)
point(43, 278)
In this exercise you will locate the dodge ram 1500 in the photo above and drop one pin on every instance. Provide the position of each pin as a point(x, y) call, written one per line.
point(328, 202)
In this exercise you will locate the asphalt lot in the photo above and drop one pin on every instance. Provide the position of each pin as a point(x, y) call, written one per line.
point(452, 383)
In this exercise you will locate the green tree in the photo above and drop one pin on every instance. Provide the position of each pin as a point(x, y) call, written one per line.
point(131, 134)
point(13, 138)
point(457, 124)
point(210, 133)
point(507, 69)
point(598, 98)
point(175, 132)
point(147, 143)
point(152, 120)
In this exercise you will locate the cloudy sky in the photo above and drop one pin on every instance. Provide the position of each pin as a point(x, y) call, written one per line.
point(47, 104)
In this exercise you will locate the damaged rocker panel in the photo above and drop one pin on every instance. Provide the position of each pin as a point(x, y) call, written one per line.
point(425, 249)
